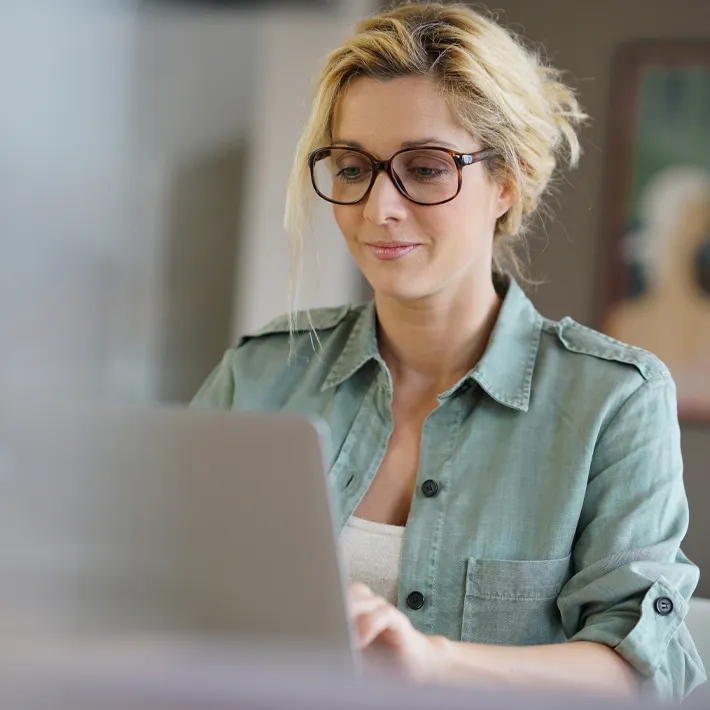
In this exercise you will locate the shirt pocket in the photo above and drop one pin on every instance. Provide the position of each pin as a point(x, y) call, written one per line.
point(514, 602)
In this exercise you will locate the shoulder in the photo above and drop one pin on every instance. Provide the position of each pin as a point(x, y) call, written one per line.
point(597, 385)
point(300, 323)
point(293, 342)
point(587, 346)
point(264, 367)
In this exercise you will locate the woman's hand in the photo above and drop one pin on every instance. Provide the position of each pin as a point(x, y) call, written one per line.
point(384, 631)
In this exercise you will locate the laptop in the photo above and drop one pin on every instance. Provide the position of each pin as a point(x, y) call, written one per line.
point(165, 522)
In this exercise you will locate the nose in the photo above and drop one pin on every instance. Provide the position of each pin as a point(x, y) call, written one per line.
point(384, 203)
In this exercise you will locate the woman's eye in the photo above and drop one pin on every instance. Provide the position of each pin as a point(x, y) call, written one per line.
point(428, 171)
point(350, 173)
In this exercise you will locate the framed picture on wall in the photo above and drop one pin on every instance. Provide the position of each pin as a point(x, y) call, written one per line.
point(657, 207)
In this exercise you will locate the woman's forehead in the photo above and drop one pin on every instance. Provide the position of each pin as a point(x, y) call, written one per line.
point(388, 115)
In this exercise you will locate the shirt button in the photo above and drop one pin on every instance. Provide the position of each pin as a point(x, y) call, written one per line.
point(663, 606)
point(430, 488)
point(415, 600)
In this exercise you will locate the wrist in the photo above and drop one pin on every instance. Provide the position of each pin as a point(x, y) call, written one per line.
point(441, 659)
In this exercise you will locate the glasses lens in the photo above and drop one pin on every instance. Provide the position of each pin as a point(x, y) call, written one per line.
point(427, 175)
point(342, 175)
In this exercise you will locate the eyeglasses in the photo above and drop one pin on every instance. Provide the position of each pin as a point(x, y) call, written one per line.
point(425, 176)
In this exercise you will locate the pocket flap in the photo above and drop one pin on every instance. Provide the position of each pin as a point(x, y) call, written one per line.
point(517, 579)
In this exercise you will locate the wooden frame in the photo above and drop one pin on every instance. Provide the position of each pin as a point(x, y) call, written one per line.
point(657, 208)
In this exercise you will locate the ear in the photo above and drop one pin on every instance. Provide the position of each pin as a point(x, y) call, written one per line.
point(503, 199)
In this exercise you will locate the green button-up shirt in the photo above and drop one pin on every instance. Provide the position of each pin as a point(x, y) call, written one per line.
point(561, 504)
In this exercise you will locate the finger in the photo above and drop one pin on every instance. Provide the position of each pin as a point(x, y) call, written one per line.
point(363, 607)
point(372, 625)
point(361, 597)
point(358, 590)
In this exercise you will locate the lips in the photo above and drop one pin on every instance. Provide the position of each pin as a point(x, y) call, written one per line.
point(391, 250)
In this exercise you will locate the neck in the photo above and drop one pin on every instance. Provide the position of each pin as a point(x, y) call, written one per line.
point(434, 341)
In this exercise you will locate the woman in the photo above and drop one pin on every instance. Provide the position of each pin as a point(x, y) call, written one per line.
point(504, 483)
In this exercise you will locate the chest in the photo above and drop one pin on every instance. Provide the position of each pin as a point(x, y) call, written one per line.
point(494, 498)
point(388, 497)
point(491, 513)
point(495, 483)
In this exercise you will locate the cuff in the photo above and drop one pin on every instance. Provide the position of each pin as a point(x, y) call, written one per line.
point(643, 644)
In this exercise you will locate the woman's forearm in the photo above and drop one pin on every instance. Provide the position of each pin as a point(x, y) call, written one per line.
point(580, 665)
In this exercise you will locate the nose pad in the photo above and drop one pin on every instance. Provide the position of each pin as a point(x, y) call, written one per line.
point(394, 179)
point(384, 201)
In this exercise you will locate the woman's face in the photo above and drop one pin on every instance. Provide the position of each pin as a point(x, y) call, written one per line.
point(447, 247)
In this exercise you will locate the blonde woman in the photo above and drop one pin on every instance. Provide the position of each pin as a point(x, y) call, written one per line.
point(509, 488)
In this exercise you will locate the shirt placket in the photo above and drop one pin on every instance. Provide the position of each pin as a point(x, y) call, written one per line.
point(363, 449)
point(418, 595)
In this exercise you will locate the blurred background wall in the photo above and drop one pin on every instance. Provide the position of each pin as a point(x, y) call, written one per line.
point(143, 163)
point(144, 157)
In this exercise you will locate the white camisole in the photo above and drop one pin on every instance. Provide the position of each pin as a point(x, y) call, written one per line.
point(371, 553)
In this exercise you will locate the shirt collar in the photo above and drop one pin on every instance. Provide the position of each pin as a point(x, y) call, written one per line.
point(504, 371)
point(360, 348)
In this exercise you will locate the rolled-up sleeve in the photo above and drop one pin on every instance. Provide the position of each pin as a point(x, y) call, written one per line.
point(632, 583)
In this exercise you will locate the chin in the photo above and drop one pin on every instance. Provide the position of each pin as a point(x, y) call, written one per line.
point(399, 291)
point(400, 280)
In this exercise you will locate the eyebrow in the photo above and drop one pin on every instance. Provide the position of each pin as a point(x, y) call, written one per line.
point(407, 144)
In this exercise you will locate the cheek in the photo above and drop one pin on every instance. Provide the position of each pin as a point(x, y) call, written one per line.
point(457, 228)
point(473, 210)
point(346, 219)
point(444, 223)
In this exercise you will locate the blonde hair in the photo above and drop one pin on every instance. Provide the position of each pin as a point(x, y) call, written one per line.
point(498, 89)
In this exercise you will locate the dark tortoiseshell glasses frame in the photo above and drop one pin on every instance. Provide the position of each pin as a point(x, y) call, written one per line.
point(461, 160)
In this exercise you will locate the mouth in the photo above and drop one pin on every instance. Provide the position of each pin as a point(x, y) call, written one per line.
point(391, 250)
